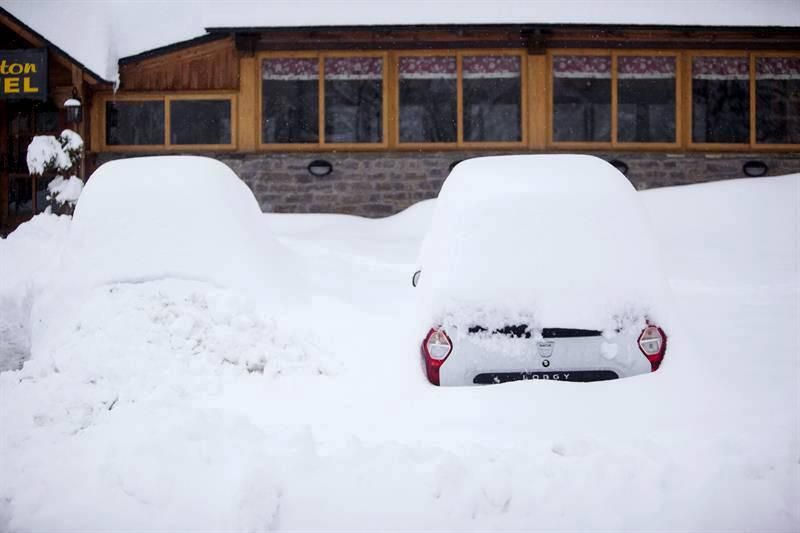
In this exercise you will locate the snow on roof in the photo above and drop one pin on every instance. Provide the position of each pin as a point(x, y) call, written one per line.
point(99, 33)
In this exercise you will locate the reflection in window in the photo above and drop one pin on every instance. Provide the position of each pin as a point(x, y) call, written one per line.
point(200, 121)
point(20, 196)
point(778, 100)
point(428, 93)
point(582, 98)
point(135, 123)
point(41, 192)
point(720, 100)
point(290, 102)
point(645, 99)
point(353, 100)
point(492, 98)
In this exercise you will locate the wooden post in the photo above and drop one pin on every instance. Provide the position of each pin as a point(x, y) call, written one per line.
point(249, 115)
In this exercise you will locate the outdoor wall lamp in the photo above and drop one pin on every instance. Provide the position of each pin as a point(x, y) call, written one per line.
point(755, 169)
point(320, 168)
point(74, 108)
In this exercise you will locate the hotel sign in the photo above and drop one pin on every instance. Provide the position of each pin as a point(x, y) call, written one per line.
point(23, 74)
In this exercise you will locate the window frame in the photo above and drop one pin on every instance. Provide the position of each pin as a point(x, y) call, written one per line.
point(322, 144)
point(613, 144)
point(166, 98)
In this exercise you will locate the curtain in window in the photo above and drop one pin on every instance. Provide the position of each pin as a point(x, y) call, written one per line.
point(720, 68)
point(591, 67)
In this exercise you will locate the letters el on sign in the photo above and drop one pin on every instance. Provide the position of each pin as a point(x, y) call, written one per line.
point(23, 74)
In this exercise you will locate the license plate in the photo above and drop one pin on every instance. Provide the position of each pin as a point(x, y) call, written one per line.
point(574, 375)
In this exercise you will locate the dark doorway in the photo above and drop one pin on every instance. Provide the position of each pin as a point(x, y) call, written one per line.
point(23, 195)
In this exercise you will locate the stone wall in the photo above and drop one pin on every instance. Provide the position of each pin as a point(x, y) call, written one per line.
point(377, 184)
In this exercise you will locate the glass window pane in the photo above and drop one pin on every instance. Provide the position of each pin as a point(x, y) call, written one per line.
point(200, 121)
point(492, 98)
point(290, 100)
point(20, 196)
point(353, 99)
point(645, 99)
point(41, 192)
point(428, 95)
point(720, 100)
point(582, 98)
point(778, 100)
point(135, 123)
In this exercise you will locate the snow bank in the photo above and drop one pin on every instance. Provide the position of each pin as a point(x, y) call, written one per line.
point(749, 237)
point(183, 217)
point(553, 240)
point(28, 258)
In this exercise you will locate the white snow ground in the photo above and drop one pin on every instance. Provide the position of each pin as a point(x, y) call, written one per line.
point(136, 411)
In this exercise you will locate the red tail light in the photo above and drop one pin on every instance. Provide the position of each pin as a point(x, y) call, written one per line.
point(653, 344)
point(435, 349)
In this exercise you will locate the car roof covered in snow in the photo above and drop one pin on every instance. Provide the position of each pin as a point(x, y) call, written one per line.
point(561, 238)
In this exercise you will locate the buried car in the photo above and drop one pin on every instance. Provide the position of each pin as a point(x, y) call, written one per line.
point(539, 267)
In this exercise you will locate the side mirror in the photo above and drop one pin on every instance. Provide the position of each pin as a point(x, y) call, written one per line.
point(415, 278)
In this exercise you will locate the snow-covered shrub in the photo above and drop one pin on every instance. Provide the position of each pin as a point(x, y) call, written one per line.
point(61, 155)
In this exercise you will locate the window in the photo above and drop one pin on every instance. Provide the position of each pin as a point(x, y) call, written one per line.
point(582, 98)
point(720, 99)
point(428, 92)
point(200, 121)
point(353, 99)
point(778, 100)
point(41, 192)
point(290, 100)
point(135, 122)
point(492, 98)
point(20, 196)
point(646, 99)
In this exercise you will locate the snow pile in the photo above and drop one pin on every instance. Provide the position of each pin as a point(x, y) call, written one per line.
point(65, 190)
point(27, 261)
point(553, 240)
point(45, 152)
point(143, 406)
point(763, 253)
point(179, 217)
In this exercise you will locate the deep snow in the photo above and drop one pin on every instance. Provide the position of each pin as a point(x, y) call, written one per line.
point(130, 414)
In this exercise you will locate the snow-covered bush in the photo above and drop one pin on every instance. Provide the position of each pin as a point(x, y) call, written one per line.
point(61, 155)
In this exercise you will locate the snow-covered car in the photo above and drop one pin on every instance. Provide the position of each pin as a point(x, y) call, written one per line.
point(538, 267)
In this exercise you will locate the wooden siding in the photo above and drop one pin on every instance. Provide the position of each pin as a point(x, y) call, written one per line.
point(210, 66)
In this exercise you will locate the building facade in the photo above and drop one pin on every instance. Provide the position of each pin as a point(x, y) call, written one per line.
point(369, 120)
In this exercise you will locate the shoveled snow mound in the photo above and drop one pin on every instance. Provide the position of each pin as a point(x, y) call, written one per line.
point(179, 217)
point(561, 240)
point(27, 261)
point(752, 240)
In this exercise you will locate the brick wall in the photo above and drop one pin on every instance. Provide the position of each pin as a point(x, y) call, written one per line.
point(379, 184)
